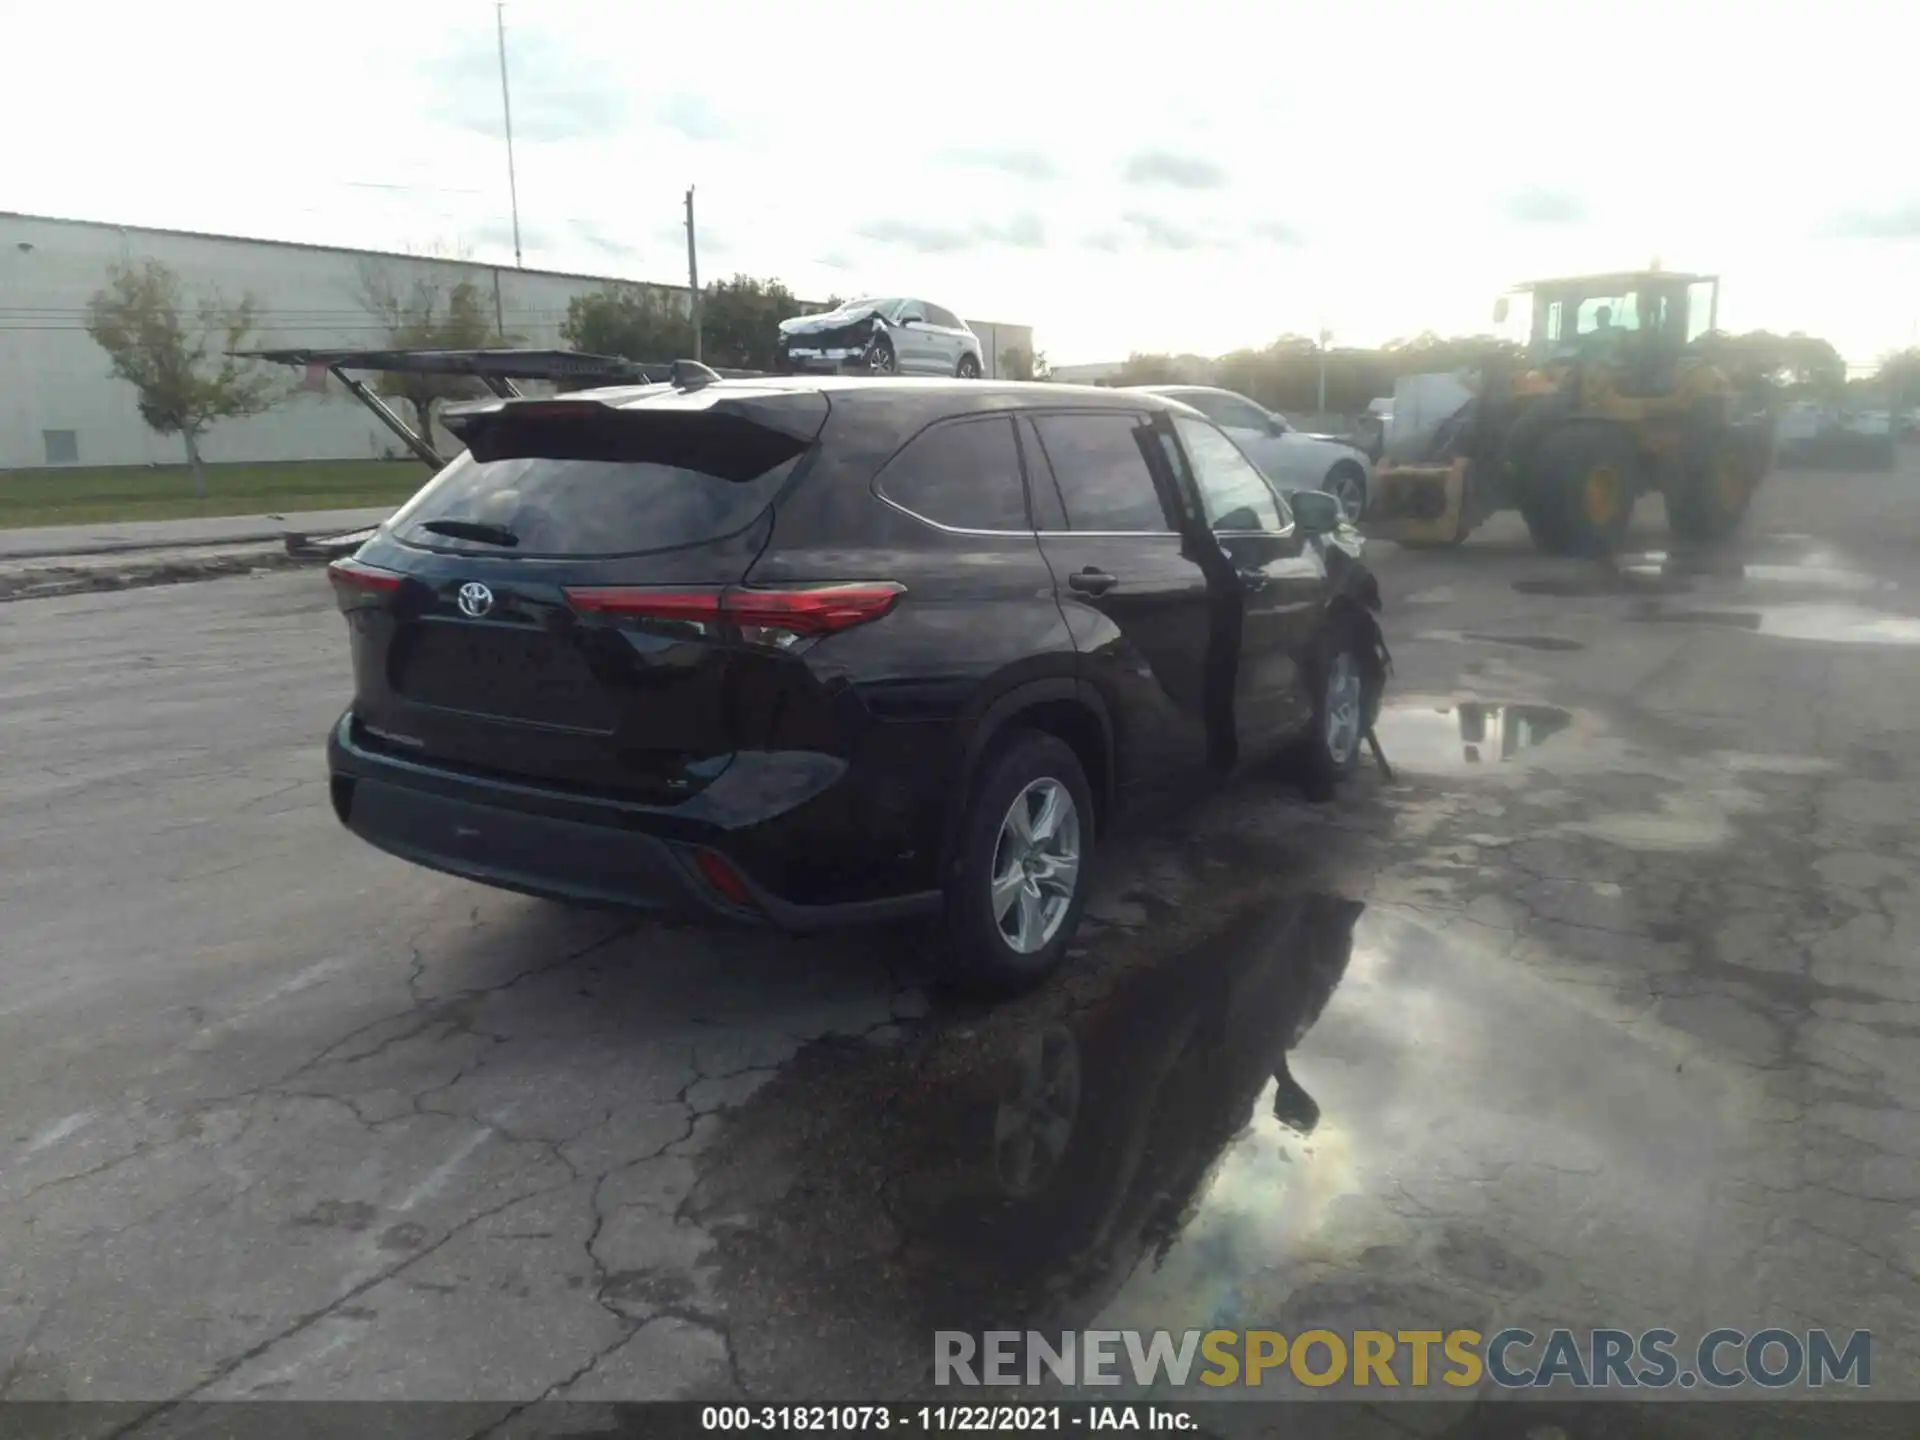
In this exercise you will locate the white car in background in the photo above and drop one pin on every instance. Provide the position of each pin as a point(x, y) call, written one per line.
point(1290, 458)
point(882, 336)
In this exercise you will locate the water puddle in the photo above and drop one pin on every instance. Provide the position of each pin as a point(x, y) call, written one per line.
point(1833, 624)
point(1606, 581)
point(1455, 738)
point(1809, 568)
point(1259, 1128)
point(1766, 565)
point(1527, 642)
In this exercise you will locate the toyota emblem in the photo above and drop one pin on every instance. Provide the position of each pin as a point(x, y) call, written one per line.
point(475, 599)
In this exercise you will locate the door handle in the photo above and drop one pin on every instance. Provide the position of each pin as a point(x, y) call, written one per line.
point(1091, 581)
point(1252, 580)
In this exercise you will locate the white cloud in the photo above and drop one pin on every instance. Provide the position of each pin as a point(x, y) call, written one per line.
point(1288, 168)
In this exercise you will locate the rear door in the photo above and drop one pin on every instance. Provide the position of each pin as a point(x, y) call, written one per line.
point(1281, 579)
point(1138, 603)
point(560, 614)
point(919, 343)
point(952, 336)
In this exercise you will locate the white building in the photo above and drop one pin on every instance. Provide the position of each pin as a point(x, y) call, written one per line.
point(60, 405)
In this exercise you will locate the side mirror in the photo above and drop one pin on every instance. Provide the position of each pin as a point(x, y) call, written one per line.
point(911, 319)
point(1276, 426)
point(1316, 512)
point(1500, 311)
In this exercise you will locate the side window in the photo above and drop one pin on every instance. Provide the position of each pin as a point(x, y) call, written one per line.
point(1235, 494)
point(937, 316)
point(1700, 316)
point(963, 474)
point(1043, 491)
point(1102, 472)
point(1236, 414)
point(911, 310)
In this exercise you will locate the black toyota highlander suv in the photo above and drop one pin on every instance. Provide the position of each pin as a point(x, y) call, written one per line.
point(804, 652)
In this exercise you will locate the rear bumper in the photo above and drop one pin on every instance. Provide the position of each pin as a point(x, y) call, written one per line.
point(505, 836)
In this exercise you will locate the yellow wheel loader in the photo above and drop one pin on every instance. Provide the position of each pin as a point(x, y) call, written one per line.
point(1611, 392)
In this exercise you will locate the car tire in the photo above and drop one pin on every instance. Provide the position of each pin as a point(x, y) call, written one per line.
point(996, 890)
point(881, 358)
point(1580, 500)
point(968, 368)
point(1348, 481)
point(1347, 679)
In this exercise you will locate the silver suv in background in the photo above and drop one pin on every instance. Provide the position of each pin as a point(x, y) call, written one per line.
point(1290, 458)
point(884, 336)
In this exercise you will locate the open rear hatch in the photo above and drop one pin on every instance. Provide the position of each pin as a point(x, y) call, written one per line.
point(561, 604)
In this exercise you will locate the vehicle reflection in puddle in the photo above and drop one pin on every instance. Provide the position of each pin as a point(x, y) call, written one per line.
point(1021, 1163)
point(1452, 737)
point(1834, 624)
point(1194, 1139)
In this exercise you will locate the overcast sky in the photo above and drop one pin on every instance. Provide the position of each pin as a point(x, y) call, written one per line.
point(1194, 177)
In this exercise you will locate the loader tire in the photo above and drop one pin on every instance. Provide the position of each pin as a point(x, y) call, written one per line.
point(1715, 487)
point(1579, 498)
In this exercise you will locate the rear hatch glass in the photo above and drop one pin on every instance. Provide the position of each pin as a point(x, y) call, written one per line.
point(576, 484)
point(486, 664)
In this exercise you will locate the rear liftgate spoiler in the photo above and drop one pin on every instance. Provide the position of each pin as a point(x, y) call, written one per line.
point(498, 370)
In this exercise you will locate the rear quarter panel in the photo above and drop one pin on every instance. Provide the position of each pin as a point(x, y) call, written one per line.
point(978, 619)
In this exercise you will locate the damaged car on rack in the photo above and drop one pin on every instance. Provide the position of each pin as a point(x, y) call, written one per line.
point(881, 336)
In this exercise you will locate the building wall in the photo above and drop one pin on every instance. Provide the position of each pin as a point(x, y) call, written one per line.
point(995, 341)
point(53, 378)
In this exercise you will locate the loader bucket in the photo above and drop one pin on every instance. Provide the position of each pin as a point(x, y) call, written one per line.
point(1418, 504)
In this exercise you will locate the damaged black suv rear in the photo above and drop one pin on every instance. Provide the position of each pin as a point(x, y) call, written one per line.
point(801, 653)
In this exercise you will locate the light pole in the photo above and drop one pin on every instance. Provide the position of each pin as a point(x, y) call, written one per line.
point(1325, 336)
point(693, 276)
point(506, 113)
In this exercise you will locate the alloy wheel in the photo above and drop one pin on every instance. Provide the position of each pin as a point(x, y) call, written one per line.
point(1347, 489)
point(1036, 866)
point(1031, 1130)
point(1344, 695)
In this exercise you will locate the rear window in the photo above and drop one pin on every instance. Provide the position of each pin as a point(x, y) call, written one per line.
point(964, 474)
point(584, 507)
point(1102, 472)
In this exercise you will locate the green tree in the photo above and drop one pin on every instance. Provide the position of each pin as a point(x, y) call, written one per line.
point(1146, 370)
point(427, 312)
point(637, 322)
point(177, 356)
point(1795, 367)
point(740, 322)
point(1899, 378)
point(1022, 364)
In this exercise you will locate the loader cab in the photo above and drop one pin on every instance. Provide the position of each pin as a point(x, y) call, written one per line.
point(1635, 326)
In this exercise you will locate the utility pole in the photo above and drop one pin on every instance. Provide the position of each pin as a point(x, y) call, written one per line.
point(506, 113)
point(693, 274)
point(1325, 336)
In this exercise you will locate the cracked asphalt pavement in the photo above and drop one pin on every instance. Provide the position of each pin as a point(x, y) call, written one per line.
point(1600, 1011)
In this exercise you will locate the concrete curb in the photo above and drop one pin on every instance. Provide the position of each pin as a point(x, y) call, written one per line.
point(44, 582)
point(132, 547)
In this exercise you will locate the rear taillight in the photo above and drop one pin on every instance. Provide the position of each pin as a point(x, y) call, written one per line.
point(723, 877)
point(356, 585)
point(779, 617)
